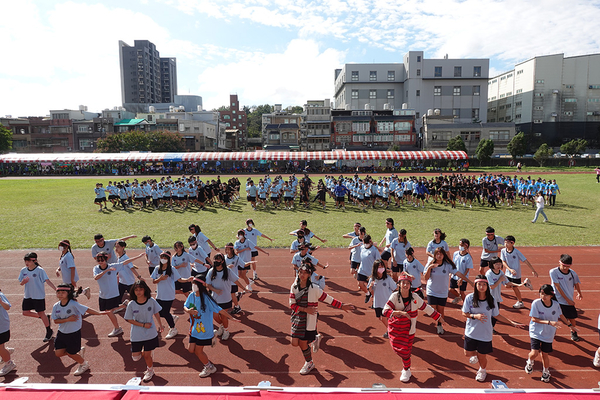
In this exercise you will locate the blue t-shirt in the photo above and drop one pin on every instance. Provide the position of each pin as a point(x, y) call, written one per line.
point(142, 312)
point(367, 259)
point(567, 283)
point(62, 312)
point(492, 278)
point(34, 289)
point(153, 254)
point(223, 285)
point(416, 269)
point(109, 282)
point(463, 263)
point(382, 290)
point(544, 332)
point(513, 260)
point(245, 255)
point(165, 290)
point(439, 280)
point(4, 319)
point(66, 263)
point(202, 324)
point(477, 329)
point(182, 264)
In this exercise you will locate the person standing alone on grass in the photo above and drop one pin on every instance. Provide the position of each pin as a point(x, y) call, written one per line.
point(539, 201)
point(565, 282)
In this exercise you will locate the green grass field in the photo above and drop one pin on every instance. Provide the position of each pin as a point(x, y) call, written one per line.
point(38, 213)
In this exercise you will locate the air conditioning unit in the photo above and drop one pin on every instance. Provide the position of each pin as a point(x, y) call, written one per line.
point(554, 114)
point(555, 91)
point(596, 113)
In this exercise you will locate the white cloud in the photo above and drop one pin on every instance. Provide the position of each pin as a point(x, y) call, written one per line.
point(302, 72)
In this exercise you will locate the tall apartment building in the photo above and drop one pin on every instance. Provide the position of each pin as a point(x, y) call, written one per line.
point(145, 76)
point(456, 87)
point(235, 120)
point(552, 98)
point(315, 132)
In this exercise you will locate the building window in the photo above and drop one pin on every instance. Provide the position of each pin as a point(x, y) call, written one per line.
point(418, 72)
point(391, 75)
point(438, 72)
point(475, 113)
point(354, 94)
point(417, 115)
point(518, 103)
point(456, 112)
point(569, 113)
point(418, 93)
point(538, 108)
point(517, 116)
point(226, 117)
point(594, 86)
point(418, 58)
point(476, 90)
point(569, 86)
point(476, 72)
point(570, 100)
point(373, 75)
point(372, 94)
point(390, 93)
point(539, 81)
point(457, 72)
point(539, 95)
point(437, 90)
point(519, 91)
point(354, 76)
point(456, 91)
point(593, 100)
point(537, 121)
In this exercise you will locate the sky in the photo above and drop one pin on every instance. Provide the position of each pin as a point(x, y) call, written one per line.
point(62, 54)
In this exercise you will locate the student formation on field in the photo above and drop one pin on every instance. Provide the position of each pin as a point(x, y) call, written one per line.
point(214, 280)
point(359, 193)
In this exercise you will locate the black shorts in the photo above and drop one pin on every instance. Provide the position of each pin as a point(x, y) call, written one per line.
point(112, 197)
point(454, 285)
point(100, 199)
point(514, 280)
point(570, 312)
point(234, 288)
point(378, 311)
point(140, 199)
point(386, 255)
point(244, 268)
point(287, 198)
point(185, 287)
point(484, 263)
point(226, 306)
point(71, 342)
point(124, 289)
point(478, 346)
point(4, 337)
point(354, 264)
point(38, 305)
point(200, 342)
point(251, 198)
point(362, 278)
point(419, 292)
point(397, 268)
point(340, 199)
point(145, 345)
point(309, 336)
point(108, 304)
point(544, 347)
point(254, 253)
point(436, 301)
point(421, 196)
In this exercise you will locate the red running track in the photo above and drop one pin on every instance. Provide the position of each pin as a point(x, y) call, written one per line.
point(353, 353)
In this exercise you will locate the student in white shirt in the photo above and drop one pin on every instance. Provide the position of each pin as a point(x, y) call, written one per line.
point(381, 286)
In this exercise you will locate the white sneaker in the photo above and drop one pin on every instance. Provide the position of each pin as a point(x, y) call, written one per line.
point(82, 368)
point(597, 359)
point(225, 335)
point(440, 330)
point(87, 292)
point(208, 370)
point(405, 376)
point(9, 366)
point(317, 343)
point(518, 304)
point(172, 333)
point(481, 375)
point(220, 331)
point(473, 360)
point(308, 366)
point(529, 366)
point(115, 332)
point(148, 375)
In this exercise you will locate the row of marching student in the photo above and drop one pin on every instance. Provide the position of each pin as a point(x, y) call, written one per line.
point(214, 283)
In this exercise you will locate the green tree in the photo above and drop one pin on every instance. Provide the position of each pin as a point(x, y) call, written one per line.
point(254, 119)
point(222, 108)
point(517, 145)
point(575, 146)
point(5, 139)
point(485, 150)
point(157, 141)
point(297, 110)
point(394, 147)
point(456, 144)
point(543, 153)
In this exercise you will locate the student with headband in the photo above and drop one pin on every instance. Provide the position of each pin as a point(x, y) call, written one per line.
point(401, 310)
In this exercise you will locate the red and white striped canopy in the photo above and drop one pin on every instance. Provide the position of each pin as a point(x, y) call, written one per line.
point(78, 158)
